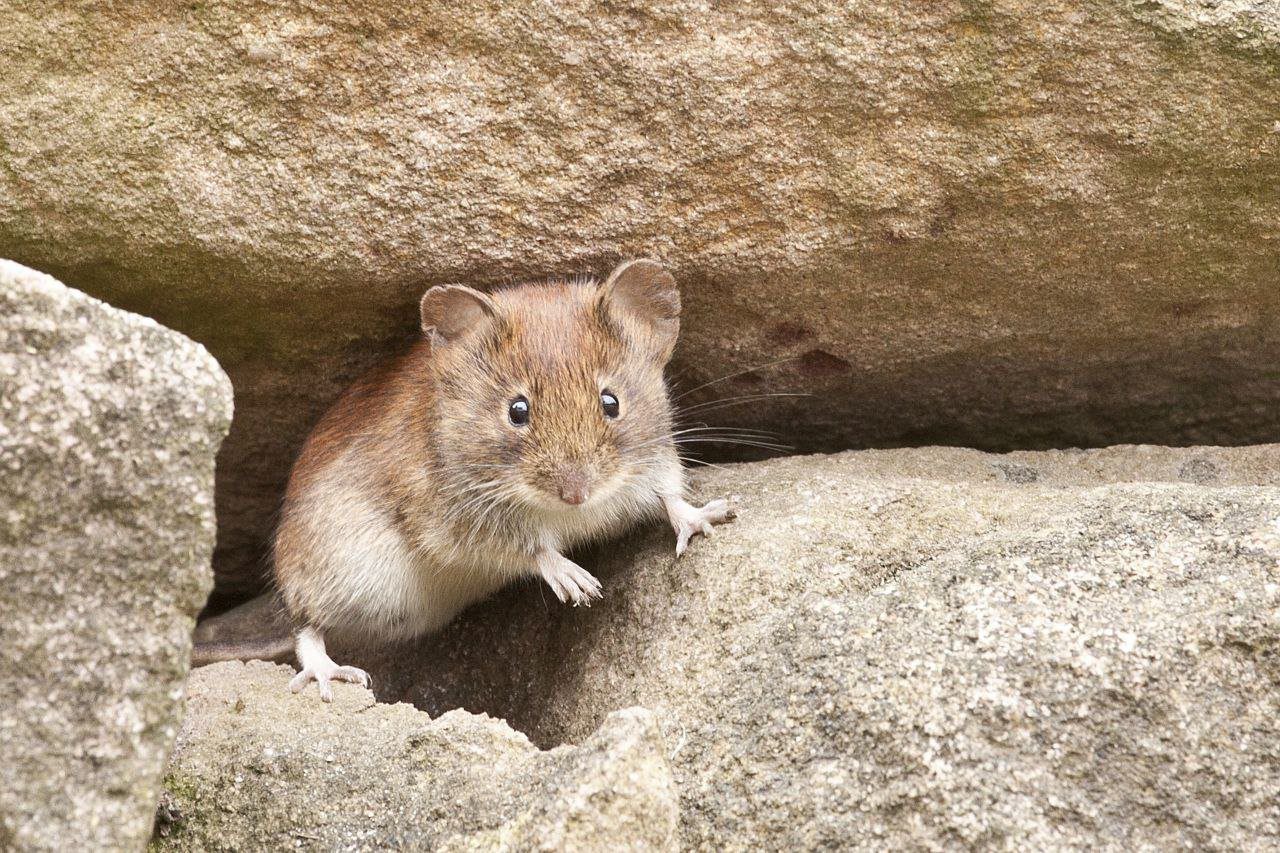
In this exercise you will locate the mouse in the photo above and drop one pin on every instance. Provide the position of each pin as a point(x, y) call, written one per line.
point(523, 422)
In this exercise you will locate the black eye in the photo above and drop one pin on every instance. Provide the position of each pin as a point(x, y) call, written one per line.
point(518, 411)
point(609, 403)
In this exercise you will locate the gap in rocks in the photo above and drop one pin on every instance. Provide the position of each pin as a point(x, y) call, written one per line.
point(519, 690)
point(873, 375)
point(469, 671)
point(1053, 401)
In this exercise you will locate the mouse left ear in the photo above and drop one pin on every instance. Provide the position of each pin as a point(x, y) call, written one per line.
point(642, 291)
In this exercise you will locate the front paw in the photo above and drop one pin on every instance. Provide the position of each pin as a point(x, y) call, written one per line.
point(570, 582)
point(688, 520)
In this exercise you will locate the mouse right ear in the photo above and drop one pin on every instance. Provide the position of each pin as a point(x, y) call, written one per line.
point(450, 311)
point(644, 291)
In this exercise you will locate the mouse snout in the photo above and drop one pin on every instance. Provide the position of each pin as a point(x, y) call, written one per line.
point(572, 485)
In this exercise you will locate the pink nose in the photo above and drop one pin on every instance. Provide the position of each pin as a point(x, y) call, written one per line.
point(573, 487)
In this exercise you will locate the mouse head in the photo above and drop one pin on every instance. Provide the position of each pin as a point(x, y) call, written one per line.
point(552, 396)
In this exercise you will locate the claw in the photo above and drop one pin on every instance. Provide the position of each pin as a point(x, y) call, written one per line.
point(353, 675)
point(299, 681)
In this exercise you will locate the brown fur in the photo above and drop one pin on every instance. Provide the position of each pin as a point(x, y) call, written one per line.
point(415, 495)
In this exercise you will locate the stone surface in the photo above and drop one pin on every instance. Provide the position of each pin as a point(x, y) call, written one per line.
point(258, 768)
point(108, 428)
point(1000, 224)
point(925, 649)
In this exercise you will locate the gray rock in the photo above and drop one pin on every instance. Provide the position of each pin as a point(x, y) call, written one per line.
point(991, 224)
point(915, 649)
point(108, 428)
point(258, 768)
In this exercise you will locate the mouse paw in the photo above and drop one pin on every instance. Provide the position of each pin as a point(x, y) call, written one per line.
point(688, 520)
point(570, 582)
point(323, 674)
point(317, 666)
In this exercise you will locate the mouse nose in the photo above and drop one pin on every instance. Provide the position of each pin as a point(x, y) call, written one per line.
point(572, 487)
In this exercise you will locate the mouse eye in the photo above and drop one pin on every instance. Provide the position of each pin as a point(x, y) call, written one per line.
point(609, 403)
point(518, 411)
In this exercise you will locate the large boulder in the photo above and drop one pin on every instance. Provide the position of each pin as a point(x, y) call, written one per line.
point(258, 768)
point(924, 649)
point(108, 428)
point(995, 224)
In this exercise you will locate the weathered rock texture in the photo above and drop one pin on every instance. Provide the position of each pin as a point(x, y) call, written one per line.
point(996, 224)
point(108, 428)
point(926, 649)
point(258, 768)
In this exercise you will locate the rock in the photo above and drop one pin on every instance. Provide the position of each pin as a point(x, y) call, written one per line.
point(924, 649)
point(108, 428)
point(999, 225)
point(259, 768)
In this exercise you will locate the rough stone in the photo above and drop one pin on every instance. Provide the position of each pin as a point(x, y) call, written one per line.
point(258, 768)
point(997, 224)
point(925, 649)
point(109, 424)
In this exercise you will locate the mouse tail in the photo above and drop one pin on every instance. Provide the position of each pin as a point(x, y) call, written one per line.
point(277, 649)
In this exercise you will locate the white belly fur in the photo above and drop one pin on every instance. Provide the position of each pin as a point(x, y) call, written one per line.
point(366, 580)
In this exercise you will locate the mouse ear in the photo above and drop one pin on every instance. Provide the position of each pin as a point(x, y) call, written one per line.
point(450, 311)
point(642, 290)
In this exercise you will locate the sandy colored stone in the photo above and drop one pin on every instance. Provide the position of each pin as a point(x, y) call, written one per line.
point(259, 768)
point(1001, 224)
point(108, 428)
point(925, 649)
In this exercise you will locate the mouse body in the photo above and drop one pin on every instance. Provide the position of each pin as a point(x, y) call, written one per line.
point(526, 421)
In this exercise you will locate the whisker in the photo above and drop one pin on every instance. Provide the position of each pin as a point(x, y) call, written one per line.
point(739, 400)
point(762, 433)
point(705, 432)
point(705, 425)
point(713, 440)
point(735, 375)
point(689, 460)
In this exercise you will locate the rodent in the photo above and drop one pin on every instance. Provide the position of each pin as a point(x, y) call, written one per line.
point(524, 422)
